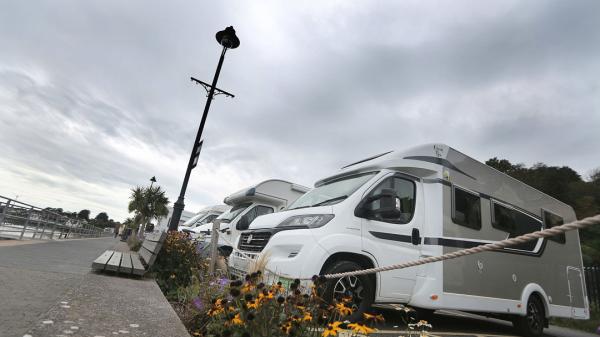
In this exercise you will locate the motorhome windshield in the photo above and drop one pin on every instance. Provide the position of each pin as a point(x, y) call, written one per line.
point(192, 221)
point(332, 192)
point(234, 212)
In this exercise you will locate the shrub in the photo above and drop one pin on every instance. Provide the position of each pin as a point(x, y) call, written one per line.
point(134, 243)
point(176, 264)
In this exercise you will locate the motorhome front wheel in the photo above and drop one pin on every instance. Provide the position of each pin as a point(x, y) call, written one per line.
point(357, 291)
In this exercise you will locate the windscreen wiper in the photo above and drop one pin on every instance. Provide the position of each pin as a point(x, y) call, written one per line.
point(341, 197)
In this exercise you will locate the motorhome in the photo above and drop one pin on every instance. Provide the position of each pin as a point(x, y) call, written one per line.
point(266, 197)
point(426, 201)
point(195, 224)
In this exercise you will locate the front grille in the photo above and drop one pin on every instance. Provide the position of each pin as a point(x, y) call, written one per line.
point(254, 241)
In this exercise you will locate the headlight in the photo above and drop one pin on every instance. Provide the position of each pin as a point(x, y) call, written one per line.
point(306, 221)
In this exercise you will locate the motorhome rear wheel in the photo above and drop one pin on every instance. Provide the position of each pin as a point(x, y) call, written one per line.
point(532, 324)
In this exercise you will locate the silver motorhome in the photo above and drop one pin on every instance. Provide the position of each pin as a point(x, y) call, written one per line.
point(427, 201)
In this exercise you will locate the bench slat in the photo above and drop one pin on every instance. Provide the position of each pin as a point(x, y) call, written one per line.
point(146, 255)
point(156, 237)
point(138, 268)
point(114, 262)
point(100, 262)
point(152, 246)
point(126, 265)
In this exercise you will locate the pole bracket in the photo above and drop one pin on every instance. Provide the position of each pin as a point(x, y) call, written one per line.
point(208, 86)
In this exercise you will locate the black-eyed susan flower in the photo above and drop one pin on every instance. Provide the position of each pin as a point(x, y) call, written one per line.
point(360, 328)
point(331, 329)
point(343, 309)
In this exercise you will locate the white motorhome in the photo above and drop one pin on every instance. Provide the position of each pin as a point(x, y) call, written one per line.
point(249, 203)
point(429, 200)
point(195, 224)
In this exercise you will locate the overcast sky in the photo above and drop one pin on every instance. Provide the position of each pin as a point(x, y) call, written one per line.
point(95, 96)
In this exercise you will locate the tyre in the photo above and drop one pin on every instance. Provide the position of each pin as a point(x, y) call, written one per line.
point(532, 324)
point(360, 290)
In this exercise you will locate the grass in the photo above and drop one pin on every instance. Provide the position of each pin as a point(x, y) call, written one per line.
point(589, 325)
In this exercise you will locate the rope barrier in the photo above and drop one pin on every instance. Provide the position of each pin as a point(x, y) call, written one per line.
point(593, 220)
point(545, 233)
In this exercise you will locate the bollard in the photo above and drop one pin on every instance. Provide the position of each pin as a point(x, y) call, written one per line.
point(214, 242)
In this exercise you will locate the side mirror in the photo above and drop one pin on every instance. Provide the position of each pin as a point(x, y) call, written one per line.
point(389, 205)
point(242, 223)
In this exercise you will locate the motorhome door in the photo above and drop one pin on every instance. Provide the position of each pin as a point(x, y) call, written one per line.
point(391, 232)
point(576, 294)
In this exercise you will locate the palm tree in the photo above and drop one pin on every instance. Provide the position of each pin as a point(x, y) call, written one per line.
point(147, 203)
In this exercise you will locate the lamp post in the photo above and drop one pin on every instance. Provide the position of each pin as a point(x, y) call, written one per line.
point(228, 40)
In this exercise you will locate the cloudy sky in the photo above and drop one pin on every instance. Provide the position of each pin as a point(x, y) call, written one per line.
point(95, 96)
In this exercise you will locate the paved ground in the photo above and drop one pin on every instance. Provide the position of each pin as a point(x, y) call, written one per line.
point(455, 324)
point(48, 289)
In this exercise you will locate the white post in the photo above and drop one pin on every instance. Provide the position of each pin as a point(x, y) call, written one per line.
point(214, 242)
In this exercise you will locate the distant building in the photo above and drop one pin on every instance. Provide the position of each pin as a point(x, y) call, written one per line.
point(163, 223)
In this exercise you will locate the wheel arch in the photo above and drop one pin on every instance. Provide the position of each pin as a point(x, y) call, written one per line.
point(361, 259)
point(534, 289)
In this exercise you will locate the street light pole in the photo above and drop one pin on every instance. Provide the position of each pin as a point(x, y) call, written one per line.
point(228, 40)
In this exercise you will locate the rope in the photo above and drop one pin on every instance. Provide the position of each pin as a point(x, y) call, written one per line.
point(545, 233)
point(593, 220)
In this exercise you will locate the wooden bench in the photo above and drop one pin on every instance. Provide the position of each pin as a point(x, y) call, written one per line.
point(132, 263)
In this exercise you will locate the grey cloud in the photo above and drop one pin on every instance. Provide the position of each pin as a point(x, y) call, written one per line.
point(316, 88)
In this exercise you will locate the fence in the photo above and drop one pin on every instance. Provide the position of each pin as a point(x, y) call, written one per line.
point(592, 280)
point(19, 220)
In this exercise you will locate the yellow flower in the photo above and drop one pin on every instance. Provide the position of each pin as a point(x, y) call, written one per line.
point(252, 304)
point(237, 319)
point(215, 311)
point(331, 329)
point(277, 288)
point(377, 318)
point(246, 287)
point(307, 317)
point(359, 328)
point(342, 309)
point(286, 327)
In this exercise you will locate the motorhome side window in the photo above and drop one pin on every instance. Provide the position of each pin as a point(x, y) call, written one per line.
point(553, 220)
point(515, 223)
point(404, 190)
point(467, 209)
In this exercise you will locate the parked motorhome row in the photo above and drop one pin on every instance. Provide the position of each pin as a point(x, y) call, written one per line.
point(205, 216)
point(425, 201)
point(246, 205)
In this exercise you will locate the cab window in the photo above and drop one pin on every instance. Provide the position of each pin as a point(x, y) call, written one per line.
point(404, 192)
point(252, 214)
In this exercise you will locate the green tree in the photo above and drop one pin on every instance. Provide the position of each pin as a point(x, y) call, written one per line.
point(102, 217)
point(84, 214)
point(147, 203)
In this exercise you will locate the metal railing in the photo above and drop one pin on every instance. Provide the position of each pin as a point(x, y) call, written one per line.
point(19, 220)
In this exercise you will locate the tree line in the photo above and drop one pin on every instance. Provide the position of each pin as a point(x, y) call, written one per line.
point(101, 220)
point(566, 185)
